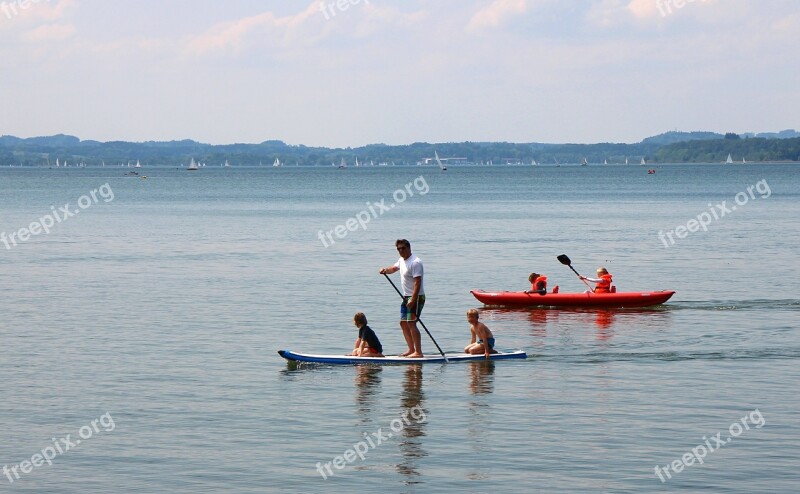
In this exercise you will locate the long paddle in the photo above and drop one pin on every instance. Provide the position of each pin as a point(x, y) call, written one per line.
point(418, 319)
point(563, 259)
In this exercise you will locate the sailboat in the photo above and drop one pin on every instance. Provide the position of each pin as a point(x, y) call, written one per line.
point(343, 164)
point(226, 164)
point(57, 163)
point(605, 162)
point(729, 160)
point(192, 166)
point(743, 161)
point(277, 162)
point(584, 162)
point(138, 165)
point(357, 164)
point(441, 165)
point(626, 160)
point(643, 161)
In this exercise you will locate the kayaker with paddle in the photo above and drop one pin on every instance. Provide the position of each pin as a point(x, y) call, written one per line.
point(411, 272)
point(538, 284)
point(603, 280)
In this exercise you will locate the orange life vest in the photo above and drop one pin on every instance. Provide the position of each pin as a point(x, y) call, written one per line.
point(540, 280)
point(605, 285)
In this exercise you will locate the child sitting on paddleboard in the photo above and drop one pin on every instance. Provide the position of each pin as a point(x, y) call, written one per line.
point(538, 284)
point(367, 344)
point(603, 280)
point(479, 332)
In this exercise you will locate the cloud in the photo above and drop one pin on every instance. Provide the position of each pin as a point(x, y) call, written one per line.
point(232, 36)
point(49, 32)
point(643, 8)
point(494, 14)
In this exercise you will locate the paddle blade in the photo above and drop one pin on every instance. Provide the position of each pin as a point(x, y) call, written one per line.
point(563, 259)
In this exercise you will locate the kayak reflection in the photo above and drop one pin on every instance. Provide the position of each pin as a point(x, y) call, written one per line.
point(605, 321)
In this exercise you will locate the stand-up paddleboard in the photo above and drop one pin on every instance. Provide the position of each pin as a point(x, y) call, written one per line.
point(616, 299)
point(393, 359)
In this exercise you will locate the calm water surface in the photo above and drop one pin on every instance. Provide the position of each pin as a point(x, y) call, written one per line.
point(164, 308)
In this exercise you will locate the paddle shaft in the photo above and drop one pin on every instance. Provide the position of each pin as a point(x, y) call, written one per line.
point(418, 319)
point(563, 259)
point(584, 281)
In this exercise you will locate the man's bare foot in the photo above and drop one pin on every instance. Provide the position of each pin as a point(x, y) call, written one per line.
point(415, 355)
point(406, 353)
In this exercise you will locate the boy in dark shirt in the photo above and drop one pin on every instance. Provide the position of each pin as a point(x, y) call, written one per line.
point(367, 344)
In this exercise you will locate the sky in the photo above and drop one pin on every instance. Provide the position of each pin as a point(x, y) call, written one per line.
point(342, 73)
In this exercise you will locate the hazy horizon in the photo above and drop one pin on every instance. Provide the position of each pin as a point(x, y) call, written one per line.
point(316, 74)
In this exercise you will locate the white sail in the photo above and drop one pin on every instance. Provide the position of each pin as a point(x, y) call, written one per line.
point(730, 159)
point(439, 162)
point(57, 163)
point(643, 161)
point(605, 162)
point(192, 165)
point(743, 161)
point(138, 165)
point(357, 164)
point(343, 164)
point(277, 162)
point(226, 163)
point(626, 160)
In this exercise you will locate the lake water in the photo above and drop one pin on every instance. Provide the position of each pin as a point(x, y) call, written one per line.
point(159, 312)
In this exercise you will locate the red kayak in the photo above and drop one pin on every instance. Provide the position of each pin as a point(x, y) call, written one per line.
point(616, 299)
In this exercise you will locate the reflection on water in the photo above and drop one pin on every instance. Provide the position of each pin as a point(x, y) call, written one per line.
point(481, 377)
point(367, 380)
point(413, 430)
point(481, 384)
point(539, 320)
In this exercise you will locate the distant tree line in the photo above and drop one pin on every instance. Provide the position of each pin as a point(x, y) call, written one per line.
point(679, 147)
point(717, 150)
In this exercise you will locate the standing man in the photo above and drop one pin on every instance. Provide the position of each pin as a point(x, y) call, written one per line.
point(410, 267)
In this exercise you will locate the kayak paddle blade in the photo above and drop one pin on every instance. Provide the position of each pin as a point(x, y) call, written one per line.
point(563, 259)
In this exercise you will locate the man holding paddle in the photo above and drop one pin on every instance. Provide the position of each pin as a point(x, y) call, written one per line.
point(411, 272)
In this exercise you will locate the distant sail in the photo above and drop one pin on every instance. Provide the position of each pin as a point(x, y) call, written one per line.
point(444, 168)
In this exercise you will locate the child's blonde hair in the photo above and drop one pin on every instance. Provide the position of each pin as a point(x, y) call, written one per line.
point(602, 270)
point(473, 312)
point(360, 319)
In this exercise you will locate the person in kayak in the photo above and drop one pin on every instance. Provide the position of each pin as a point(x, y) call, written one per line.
point(411, 273)
point(367, 344)
point(538, 284)
point(482, 339)
point(603, 281)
